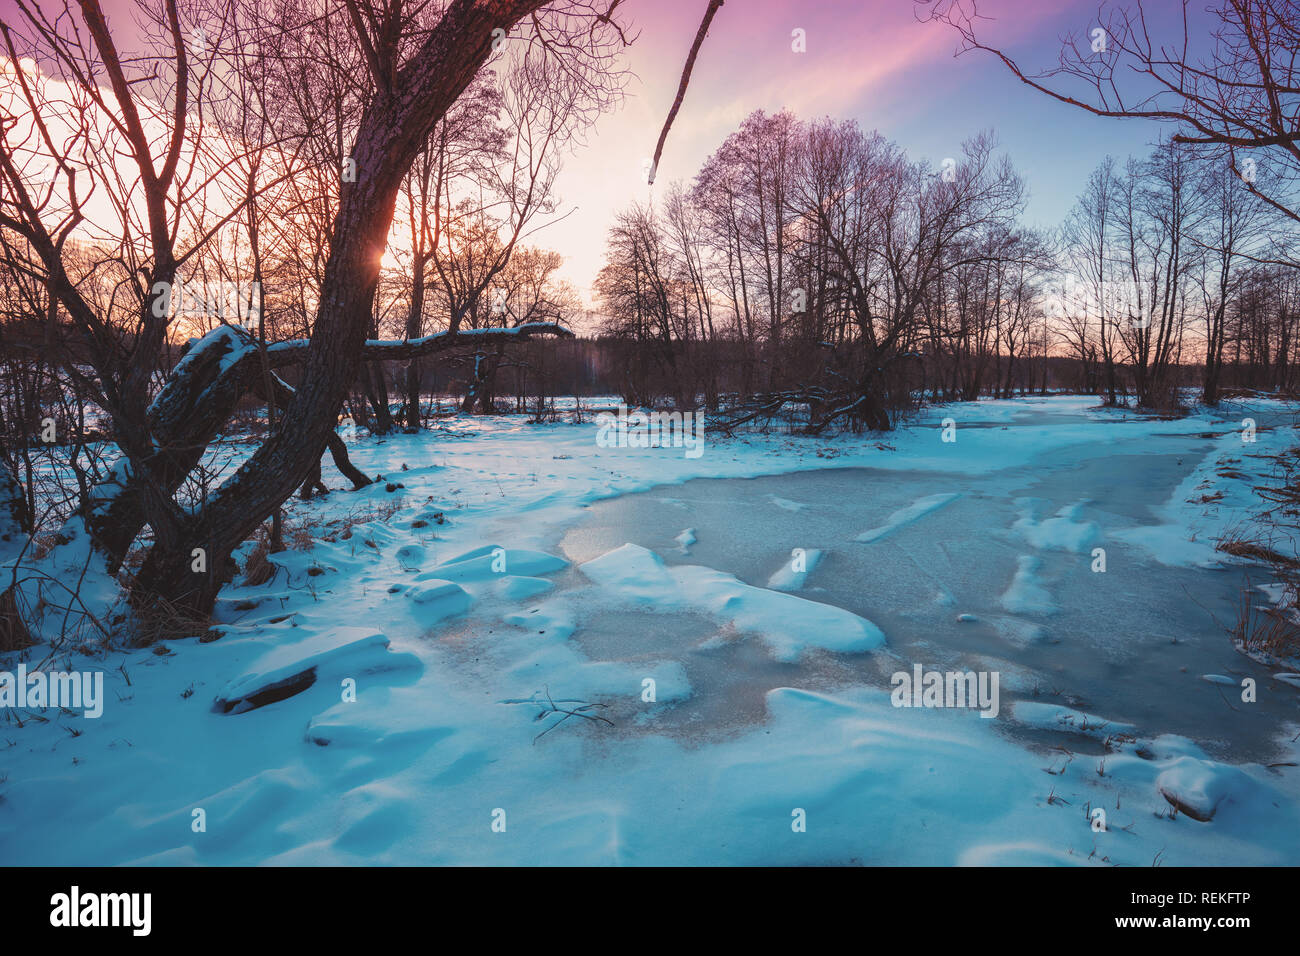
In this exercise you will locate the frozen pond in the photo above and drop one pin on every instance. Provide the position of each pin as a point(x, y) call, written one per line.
point(1132, 644)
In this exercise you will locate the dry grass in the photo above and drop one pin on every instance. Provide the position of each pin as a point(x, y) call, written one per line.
point(14, 635)
point(258, 568)
point(300, 535)
point(341, 528)
point(43, 542)
point(1266, 630)
point(303, 535)
point(160, 621)
point(1240, 547)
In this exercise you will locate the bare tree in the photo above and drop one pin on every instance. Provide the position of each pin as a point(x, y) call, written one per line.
point(1239, 95)
point(414, 72)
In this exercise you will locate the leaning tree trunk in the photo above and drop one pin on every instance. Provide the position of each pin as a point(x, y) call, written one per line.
point(192, 408)
point(283, 460)
point(337, 447)
point(194, 405)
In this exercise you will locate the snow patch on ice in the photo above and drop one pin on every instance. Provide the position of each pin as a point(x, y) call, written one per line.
point(905, 516)
point(1218, 679)
point(786, 578)
point(788, 624)
point(1055, 717)
point(786, 503)
point(1026, 595)
point(1062, 532)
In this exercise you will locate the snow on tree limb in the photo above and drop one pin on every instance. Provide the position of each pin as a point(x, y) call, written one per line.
point(286, 353)
point(230, 346)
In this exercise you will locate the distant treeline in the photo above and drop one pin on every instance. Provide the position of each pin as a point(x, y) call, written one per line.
point(545, 369)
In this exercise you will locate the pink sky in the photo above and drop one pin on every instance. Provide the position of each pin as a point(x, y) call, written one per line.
point(866, 59)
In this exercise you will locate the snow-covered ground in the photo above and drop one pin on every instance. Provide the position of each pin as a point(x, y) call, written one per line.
point(525, 663)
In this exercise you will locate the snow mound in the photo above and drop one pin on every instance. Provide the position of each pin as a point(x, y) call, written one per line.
point(788, 624)
point(1198, 787)
point(491, 561)
point(635, 574)
point(438, 599)
point(392, 716)
point(285, 671)
point(72, 559)
point(1018, 631)
point(1173, 746)
point(410, 556)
